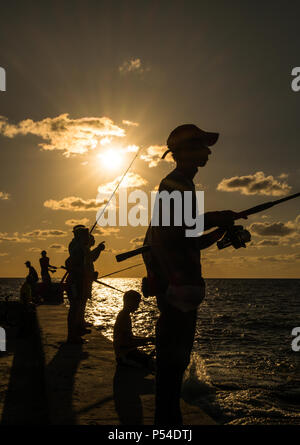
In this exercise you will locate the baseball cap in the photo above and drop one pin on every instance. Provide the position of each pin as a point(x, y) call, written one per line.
point(187, 132)
point(79, 227)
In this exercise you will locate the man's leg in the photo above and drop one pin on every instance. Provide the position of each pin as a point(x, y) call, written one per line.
point(86, 295)
point(175, 332)
point(73, 317)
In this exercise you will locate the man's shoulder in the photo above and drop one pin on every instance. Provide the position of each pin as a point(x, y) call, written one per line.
point(123, 321)
point(175, 181)
point(74, 247)
point(123, 315)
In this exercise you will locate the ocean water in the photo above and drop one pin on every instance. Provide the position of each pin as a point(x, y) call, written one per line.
point(243, 369)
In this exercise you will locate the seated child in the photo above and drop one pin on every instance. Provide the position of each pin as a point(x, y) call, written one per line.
point(124, 342)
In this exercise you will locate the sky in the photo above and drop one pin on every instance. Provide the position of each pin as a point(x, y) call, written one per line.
point(88, 84)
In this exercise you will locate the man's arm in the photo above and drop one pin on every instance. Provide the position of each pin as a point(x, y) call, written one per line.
point(219, 219)
point(211, 238)
point(95, 253)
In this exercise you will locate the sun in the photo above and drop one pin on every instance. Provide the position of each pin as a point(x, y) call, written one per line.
point(111, 159)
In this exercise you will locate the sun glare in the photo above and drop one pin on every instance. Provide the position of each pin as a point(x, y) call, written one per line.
point(111, 159)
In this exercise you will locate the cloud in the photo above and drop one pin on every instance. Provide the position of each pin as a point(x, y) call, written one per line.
point(132, 65)
point(72, 136)
point(130, 124)
point(153, 155)
point(111, 251)
point(4, 196)
point(251, 260)
point(15, 238)
point(256, 184)
point(281, 258)
point(131, 180)
point(74, 204)
point(106, 231)
point(132, 148)
point(44, 233)
point(28, 237)
point(58, 247)
point(138, 241)
point(34, 249)
point(265, 243)
point(75, 222)
point(272, 229)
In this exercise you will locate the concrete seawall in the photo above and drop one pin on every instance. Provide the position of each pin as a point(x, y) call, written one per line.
point(75, 384)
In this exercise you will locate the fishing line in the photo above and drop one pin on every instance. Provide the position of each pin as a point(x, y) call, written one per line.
point(116, 188)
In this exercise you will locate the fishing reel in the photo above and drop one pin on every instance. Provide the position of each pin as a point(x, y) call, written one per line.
point(235, 236)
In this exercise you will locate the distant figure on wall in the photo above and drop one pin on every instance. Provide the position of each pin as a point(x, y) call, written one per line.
point(46, 268)
point(32, 279)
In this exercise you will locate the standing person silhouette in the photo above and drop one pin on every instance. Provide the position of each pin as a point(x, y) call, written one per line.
point(80, 279)
point(46, 267)
point(174, 270)
point(32, 279)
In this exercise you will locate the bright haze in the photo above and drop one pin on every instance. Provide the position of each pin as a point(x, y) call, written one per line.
point(89, 83)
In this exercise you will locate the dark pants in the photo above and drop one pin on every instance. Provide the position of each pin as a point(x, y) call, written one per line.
point(74, 315)
point(175, 332)
point(77, 296)
point(85, 297)
point(46, 279)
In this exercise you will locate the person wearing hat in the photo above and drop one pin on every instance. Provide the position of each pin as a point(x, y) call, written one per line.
point(80, 266)
point(174, 267)
point(45, 268)
point(32, 279)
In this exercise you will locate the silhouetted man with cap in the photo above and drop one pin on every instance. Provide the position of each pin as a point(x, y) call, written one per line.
point(174, 269)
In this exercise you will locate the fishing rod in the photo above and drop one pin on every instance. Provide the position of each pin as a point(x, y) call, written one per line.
point(97, 281)
point(235, 236)
point(121, 270)
point(116, 188)
point(107, 285)
point(265, 206)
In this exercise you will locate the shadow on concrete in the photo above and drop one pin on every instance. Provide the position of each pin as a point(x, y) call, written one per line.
point(29, 401)
point(60, 375)
point(128, 386)
point(25, 400)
